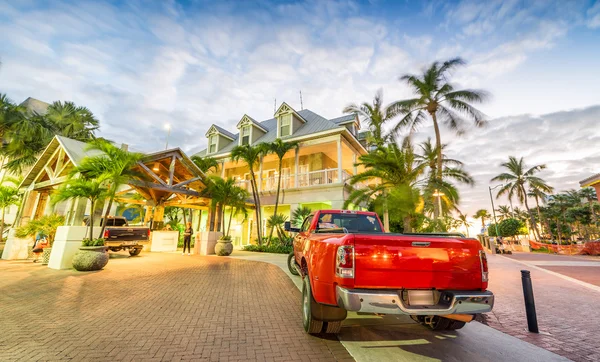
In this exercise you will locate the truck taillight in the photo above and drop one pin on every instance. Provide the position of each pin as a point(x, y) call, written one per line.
point(148, 232)
point(106, 234)
point(484, 266)
point(344, 261)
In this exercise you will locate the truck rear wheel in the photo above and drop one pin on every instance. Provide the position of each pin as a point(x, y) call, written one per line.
point(311, 325)
point(135, 251)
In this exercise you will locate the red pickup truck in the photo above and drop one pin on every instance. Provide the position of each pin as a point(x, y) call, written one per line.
point(348, 263)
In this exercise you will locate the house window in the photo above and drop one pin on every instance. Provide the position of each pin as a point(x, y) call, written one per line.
point(246, 135)
point(212, 141)
point(286, 125)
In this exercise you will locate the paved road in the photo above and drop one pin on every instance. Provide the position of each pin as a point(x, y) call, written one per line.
point(583, 268)
point(565, 306)
point(156, 307)
point(398, 338)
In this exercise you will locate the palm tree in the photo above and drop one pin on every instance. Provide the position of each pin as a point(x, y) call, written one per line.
point(515, 181)
point(437, 97)
point(45, 225)
point(225, 193)
point(27, 139)
point(94, 190)
point(538, 195)
point(464, 222)
point(8, 196)
point(482, 214)
point(589, 193)
point(72, 121)
point(375, 116)
point(504, 212)
point(114, 165)
point(251, 156)
point(299, 215)
point(280, 149)
point(205, 164)
point(452, 169)
point(394, 167)
point(276, 221)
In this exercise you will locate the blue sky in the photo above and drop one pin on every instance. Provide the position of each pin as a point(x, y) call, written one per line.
point(141, 64)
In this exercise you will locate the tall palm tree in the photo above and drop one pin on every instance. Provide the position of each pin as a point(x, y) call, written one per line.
point(72, 121)
point(375, 116)
point(462, 218)
point(504, 212)
point(251, 156)
point(589, 193)
point(516, 179)
point(280, 149)
point(393, 166)
point(225, 193)
point(482, 214)
point(94, 190)
point(438, 98)
point(27, 139)
point(452, 170)
point(114, 165)
point(538, 195)
point(205, 164)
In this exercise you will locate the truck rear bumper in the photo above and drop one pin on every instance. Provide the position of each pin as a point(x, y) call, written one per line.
point(390, 302)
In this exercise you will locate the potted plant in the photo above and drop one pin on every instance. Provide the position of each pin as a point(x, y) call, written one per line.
point(92, 255)
point(44, 226)
point(224, 246)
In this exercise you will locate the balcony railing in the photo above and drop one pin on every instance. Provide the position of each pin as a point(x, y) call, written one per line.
point(313, 178)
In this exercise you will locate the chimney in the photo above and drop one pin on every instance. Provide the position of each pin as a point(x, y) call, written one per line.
point(124, 147)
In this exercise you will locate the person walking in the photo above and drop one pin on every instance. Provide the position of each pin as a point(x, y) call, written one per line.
point(40, 243)
point(187, 237)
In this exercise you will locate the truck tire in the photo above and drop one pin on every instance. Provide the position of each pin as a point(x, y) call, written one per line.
point(135, 251)
point(456, 325)
point(311, 325)
point(333, 327)
point(291, 263)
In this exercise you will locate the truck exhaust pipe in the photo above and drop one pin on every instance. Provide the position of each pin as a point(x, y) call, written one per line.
point(460, 317)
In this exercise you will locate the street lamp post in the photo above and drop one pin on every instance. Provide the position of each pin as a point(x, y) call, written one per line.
point(168, 127)
point(439, 195)
point(494, 213)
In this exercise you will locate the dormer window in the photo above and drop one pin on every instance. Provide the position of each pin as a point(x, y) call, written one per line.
point(245, 135)
point(212, 143)
point(285, 125)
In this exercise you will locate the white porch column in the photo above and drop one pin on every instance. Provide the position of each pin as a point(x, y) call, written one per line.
point(339, 154)
point(260, 172)
point(296, 167)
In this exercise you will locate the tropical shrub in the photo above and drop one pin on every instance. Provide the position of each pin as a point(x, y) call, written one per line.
point(92, 242)
point(45, 225)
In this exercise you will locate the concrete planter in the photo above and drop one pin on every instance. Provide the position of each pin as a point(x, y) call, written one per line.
point(223, 247)
point(90, 258)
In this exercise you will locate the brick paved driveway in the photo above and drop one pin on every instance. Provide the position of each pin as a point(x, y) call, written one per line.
point(156, 307)
point(567, 312)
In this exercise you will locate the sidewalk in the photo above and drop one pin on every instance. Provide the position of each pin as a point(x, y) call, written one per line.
point(565, 309)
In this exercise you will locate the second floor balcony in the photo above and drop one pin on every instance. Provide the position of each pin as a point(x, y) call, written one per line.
point(308, 179)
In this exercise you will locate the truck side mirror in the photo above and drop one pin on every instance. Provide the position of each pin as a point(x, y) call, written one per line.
point(288, 227)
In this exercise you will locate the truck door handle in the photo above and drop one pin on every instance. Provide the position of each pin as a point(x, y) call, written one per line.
point(421, 243)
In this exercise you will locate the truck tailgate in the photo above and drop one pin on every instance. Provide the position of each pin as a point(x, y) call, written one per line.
point(388, 261)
